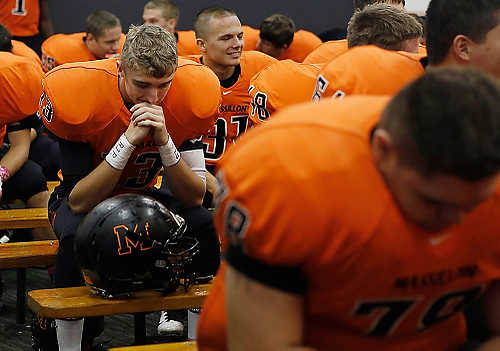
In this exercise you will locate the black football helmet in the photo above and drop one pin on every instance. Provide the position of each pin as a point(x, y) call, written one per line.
point(132, 242)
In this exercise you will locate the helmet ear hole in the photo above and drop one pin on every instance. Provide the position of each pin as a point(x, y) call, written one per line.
point(132, 242)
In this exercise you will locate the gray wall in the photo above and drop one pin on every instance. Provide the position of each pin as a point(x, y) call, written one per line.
point(314, 15)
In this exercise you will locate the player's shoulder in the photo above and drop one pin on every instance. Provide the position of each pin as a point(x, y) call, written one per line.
point(62, 39)
point(253, 61)
point(80, 98)
point(21, 49)
point(327, 51)
point(307, 37)
point(274, 82)
point(192, 101)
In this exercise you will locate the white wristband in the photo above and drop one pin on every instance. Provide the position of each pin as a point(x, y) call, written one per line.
point(120, 152)
point(169, 154)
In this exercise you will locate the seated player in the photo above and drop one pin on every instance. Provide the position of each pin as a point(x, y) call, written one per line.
point(165, 13)
point(27, 21)
point(220, 38)
point(381, 25)
point(381, 69)
point(102, 38)
point(393, 233)
point(120, 135)
point(278, 38)
point(20, 178)
point(331, 49)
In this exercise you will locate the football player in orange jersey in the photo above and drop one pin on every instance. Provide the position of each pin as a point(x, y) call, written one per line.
point(20, 177)
point(165, 13)
point(28, 21)
point(331, 49)
point(278, 38)
point(381, 25)
point(102, 38)
point(220, 39)
point(374, 70)
point(464, 33)
point(119, 135)
point(386, 235)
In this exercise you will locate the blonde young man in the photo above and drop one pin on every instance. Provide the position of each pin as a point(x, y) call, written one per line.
point(116, 140)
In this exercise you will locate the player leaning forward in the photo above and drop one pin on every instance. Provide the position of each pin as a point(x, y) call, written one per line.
point(119, 133)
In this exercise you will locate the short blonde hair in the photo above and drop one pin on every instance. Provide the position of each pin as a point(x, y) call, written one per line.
point(149, 49)
point(168, 8)
point(382, 25)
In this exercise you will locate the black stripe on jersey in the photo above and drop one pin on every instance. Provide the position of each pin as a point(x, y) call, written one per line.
point(31, 121)
point(288, 279)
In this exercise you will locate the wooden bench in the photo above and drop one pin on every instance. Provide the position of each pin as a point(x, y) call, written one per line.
point(80, 302)
point(26, 254)
point(172, 346)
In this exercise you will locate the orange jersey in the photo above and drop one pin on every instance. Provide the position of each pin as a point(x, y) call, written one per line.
point(367, 70)
point(371, 280)
point(234, 110)
point(20, 17)
point(250, 38)
point(21, 49)
point(21, 82)
point(67, 48)
point(327, 51)
point(303, 44)
point(270, 89)
point(186, 43)
point(100, 116)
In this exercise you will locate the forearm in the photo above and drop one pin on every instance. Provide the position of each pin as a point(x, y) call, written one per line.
point(185, 185)
point(18, 152)
point(94, 188)
point(248, 301)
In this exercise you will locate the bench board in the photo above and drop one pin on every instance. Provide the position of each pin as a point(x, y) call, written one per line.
point(80, 302)
point(28, 254)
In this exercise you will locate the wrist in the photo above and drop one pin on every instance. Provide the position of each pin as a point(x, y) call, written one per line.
point(120, 153)
point(169, 154)
point(4, 173)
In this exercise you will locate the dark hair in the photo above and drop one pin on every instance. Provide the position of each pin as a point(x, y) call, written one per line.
point(204, 16)
point(277, 29)
point(382, 25)
point(100, 21)
point(447, 122)
point(361, 4)
point(5, 39)
point(445, 19)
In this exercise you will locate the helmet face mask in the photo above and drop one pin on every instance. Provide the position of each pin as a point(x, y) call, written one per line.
point(132, 242)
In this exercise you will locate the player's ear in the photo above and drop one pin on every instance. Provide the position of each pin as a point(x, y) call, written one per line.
point(202, 44)
point(119, 66)
point(171, 23)
point(89, 37)
point(382, 147)
point(461, 47)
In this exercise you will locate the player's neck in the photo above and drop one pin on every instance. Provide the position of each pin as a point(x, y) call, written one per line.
point(221, 71)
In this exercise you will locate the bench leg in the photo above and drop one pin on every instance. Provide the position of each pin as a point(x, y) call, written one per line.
point(139, 328)
point(21, 295)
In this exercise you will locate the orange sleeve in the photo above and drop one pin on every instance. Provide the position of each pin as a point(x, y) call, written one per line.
point(367, 70)
point(327, 52)
point(192, 102)
point(186, 43)
point(78, 119)
point(250, 37)
point(20, 79)
point(21, 49)
point(271, 91)
point(303, 44)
